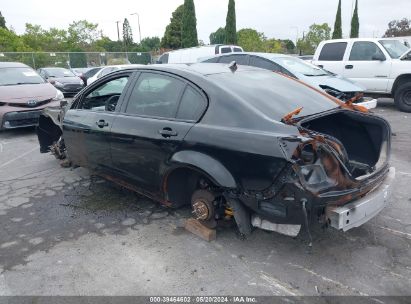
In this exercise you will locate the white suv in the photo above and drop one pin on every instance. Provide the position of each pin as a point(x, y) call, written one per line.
point(382, 66)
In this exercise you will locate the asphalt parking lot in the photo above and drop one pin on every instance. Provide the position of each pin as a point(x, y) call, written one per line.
point(65, 232)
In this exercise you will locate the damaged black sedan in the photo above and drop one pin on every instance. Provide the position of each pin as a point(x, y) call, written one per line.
point(231, 141)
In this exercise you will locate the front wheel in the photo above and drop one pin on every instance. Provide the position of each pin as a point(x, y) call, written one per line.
point(402, 97)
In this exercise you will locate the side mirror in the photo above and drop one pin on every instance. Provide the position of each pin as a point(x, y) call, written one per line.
point(378, 57)
point(63, 103)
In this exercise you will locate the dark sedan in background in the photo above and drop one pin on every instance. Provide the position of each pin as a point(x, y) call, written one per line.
point(23, 94)
point(230, 140)
point(63, 79)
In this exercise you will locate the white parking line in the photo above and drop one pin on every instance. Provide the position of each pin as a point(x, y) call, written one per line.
point(405, 173)
point(339, 284)
point(396, 232)
point(18, 157)
point(278, 285)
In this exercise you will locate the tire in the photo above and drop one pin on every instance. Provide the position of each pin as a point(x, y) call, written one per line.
point(402, 97)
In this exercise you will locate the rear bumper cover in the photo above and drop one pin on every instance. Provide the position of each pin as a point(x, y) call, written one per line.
point(357, 213)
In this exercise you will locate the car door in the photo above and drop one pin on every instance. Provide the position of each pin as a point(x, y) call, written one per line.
point(367, 65)
point(160, 111)
point(331, 57)
point(86, 126)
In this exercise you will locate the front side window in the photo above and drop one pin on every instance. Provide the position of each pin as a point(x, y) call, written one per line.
point(105, 97)
point(333, 51)
point(365, 51)
point(155, 95)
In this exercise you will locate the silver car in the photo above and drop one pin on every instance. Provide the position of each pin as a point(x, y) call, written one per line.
point(333, 84)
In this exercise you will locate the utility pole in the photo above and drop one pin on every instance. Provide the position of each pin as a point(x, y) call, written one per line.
point(138, 19)
point(296, 38)
point(118, 31)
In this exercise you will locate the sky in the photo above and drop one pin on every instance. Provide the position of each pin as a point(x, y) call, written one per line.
point(280, 19)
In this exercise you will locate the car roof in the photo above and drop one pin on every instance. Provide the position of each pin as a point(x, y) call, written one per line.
point(53, 68)
point(264, 55)
point(13, 65)
point(203, 69)
point(362, 39)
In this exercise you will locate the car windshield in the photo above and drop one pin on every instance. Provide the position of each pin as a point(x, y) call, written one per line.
point(273, 94)
point(296, 65)
point(59, 72)
point(19, 76)
point(394, 47)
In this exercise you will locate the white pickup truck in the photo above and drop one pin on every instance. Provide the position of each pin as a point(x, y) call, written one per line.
point(381, 65)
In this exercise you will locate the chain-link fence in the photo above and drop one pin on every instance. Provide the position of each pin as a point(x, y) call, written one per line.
point(75, 59)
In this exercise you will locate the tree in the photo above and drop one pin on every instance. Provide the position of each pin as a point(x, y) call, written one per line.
point(288, 46)
point(2, 22)
point(230, 26)
point(273, 46)
point(127, 33)
point(337, 34)
point(82, 35)
point(172, 35)
point(355, 22)
point(251, 40)
point(399, 28)
point(316, 34)
point(189, 28)
point(149, 44)
point(10, 42)
point(218, 37)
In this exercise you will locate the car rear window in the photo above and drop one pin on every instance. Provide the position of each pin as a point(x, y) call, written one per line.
point(333, 51)
point(272, 94)
point(225, 50)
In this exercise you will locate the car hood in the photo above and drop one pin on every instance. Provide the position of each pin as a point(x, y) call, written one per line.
point(333, 81)
point(23, 93)
point(67, 80)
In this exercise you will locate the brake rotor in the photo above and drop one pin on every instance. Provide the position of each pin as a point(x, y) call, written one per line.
point(202, 203)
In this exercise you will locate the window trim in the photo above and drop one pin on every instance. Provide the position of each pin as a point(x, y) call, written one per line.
point(186, 84)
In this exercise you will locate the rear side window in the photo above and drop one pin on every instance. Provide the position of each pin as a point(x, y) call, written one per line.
point(237, 50)
point(365, 51)
point(155, 95)
point(225, 50)
point(192, 105)
point(265, 64)
point(333, 51)
point(239, 59)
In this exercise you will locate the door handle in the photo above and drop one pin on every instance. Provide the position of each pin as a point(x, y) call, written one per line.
point(102, 123)
point(321, 66)
point(167, 132)
point(349, 67)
